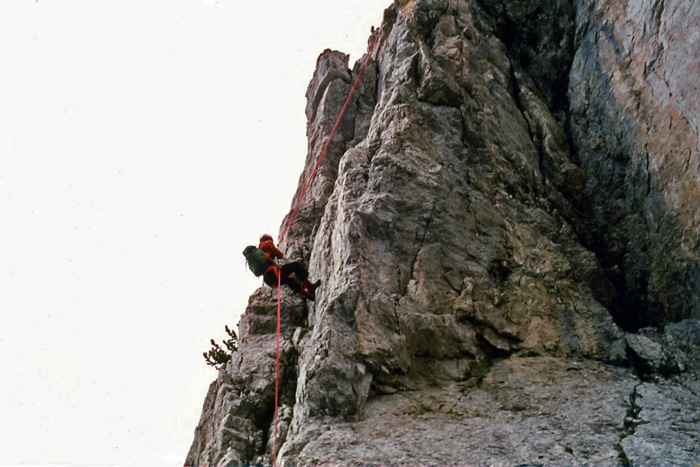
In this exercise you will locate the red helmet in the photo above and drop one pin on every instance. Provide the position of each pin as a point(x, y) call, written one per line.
point(265, 238)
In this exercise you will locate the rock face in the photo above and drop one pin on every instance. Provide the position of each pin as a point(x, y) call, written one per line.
point(507, 226)
point(634, 119)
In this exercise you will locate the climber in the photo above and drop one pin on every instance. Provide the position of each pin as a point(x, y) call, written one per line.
point(261, 261)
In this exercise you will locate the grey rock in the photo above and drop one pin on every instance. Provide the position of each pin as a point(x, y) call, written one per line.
point(664, 428)
point(683, 341)
point(239, 406)
point(673, 350)
point(651, 357)
point(527, 411)
point(634, 128)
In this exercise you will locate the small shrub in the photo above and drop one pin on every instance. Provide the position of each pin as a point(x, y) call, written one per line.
point(217, 356)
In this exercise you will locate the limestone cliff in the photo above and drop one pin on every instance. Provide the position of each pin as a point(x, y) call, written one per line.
point(507, 227)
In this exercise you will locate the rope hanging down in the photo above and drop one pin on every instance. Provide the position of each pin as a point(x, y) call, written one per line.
point(289, 223)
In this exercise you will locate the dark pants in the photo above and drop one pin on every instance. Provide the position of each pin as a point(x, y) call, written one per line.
point(287, 270)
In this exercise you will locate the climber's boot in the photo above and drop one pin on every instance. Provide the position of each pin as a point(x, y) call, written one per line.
point(309, 294)
point(311, 287)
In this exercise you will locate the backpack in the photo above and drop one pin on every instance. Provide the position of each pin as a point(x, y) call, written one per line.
point(256, 259)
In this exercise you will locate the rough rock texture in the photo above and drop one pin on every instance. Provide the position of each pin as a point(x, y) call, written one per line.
point(635, 117)
point(662, 426)
point(515, 416)
point(506, 225)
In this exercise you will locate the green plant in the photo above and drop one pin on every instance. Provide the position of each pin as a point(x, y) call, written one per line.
point(217, 356)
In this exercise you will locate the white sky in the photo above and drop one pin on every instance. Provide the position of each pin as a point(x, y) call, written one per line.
point(135, 141)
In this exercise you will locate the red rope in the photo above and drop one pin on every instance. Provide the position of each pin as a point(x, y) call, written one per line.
point(328, 142)
point(277, 369)
point(289, 223)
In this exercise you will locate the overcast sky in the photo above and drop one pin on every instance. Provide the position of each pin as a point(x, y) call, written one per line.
point(143, 145)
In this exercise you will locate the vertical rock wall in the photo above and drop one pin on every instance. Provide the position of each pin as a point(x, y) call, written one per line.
point(634, 126)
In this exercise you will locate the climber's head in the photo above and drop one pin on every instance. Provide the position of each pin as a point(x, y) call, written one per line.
point(265, 238)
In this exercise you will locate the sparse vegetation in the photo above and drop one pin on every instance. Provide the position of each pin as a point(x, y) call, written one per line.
point(218, 356)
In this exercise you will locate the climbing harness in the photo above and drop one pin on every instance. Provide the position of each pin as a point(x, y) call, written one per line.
point(289, 223)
